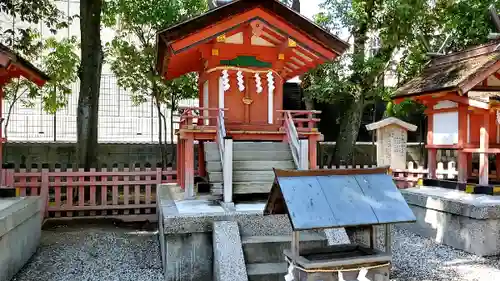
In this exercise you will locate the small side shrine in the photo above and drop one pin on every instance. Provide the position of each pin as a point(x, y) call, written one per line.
point(243, 52)
point(321, 199)
point(392, 141)
point(14, 66)
point(462, 92)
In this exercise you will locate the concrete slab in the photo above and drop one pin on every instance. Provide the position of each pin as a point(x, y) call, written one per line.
point(477, 206)
point(468, 222)
point(250, 207)
point(20, 230)
point(187, 207)
point(229, 262)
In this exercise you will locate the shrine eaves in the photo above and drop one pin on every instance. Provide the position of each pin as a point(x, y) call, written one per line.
point(252, 34)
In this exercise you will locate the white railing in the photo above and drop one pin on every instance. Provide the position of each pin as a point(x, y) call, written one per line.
point(225, 146)
point(221, 134)
point(297, 146)
point(292, 137)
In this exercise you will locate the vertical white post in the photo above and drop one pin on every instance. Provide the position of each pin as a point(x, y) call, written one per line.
point(303, 154)
point(228, 170)
point(270, 98)
point(221, 94)
point(205, 103)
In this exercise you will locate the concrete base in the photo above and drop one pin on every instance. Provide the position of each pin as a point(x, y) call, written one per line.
point(468, 222)
point(191, 248)
point(186, 230)
point(20, 231)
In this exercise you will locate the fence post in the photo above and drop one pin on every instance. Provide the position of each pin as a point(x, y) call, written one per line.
point(44, 193)
point(228, 170)
point(159, 175)
point(303, 154)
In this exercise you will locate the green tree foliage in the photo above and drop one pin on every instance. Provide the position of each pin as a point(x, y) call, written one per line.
point(355, 80)
point(132, 51)
point(56, 58)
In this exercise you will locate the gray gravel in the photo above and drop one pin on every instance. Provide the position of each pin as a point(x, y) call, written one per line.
point(419, 259)
point(104, 253)
point(111, 253)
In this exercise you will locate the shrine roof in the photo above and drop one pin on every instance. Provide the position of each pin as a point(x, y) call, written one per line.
point(28, 70)
point(456, 72)
point(318, 199)
point(227, 18)
point(391, 121)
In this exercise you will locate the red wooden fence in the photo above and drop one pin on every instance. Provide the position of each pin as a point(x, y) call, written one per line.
point(128, 194)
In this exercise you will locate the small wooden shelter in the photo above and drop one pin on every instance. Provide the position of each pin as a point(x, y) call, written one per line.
point(14, 66)
point(243, 52)
point(461, 91)
point(320, 199)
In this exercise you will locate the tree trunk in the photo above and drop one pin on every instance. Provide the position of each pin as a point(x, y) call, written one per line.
point(90, 82)
point(349, 129)
point(160, 134)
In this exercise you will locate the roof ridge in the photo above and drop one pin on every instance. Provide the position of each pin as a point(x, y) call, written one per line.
point(465, 55)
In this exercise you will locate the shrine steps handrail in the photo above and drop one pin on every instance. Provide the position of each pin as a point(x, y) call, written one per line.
point(292, 138)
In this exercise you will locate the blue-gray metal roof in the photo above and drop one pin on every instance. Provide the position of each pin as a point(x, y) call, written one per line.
point(338, 198)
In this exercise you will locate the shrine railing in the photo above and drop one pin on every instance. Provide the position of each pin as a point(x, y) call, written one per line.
point(304, 120)
point(225, 146)
point(298, 148)
point(197, 116)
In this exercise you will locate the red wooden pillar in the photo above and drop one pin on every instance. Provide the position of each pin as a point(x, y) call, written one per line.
point(469, 165)
point(432, 162)
point(180, 162)
point(189, 166)
point(497, 164)
point(201, 159)
point(483, 146)
point(462, 141)
point(2, 140)
point(432, 152)
point(313, 152)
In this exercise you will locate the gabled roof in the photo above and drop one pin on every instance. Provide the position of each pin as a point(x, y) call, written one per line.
point(313, 32)
point(30, 71)
point(454, 72)
point(391, 121)
point(319, 199)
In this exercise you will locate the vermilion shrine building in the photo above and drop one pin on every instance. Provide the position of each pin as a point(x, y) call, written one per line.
point(461, 92)
point(14, 66)
point(243, 52)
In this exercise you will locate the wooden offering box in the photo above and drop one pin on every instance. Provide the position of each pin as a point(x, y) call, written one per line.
point(352, 198)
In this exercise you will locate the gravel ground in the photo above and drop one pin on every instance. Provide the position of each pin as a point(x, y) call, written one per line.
point(419, 259)
point(110, 253)
point(95, 253)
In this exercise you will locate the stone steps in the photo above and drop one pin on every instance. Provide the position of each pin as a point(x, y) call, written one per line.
point(211, 156)
point(244, 187)
point(267, 271)
point(264, 254)
point(253, 164)
point(216, 166)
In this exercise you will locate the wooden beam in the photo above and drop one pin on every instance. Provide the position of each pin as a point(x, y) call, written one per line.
point(257, 13)
point(467, 101)
point(468, 85)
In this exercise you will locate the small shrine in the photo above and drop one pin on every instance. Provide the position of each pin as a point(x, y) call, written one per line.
point(392, 139)
point(461, 91)
point(243, 51)
point(352, 198)
point(14, 66)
